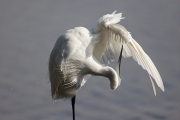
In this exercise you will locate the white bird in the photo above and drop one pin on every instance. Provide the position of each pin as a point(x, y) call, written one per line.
point(80, 52)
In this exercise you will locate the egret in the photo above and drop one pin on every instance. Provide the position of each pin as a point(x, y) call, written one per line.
point(81, 52)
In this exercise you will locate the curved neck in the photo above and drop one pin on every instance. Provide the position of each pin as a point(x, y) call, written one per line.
point(95, 68)
point(112, 75)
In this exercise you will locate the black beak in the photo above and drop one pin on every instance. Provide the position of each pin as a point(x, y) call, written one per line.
point(119, 62)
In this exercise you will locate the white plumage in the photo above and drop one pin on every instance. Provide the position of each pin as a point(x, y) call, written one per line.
point(81, 52)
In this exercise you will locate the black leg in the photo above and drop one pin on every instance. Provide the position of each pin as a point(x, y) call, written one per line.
point(73, 100)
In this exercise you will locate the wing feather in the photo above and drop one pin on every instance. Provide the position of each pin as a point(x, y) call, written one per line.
point(111, 39)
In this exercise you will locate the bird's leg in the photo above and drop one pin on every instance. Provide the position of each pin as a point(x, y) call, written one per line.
point(73, 100)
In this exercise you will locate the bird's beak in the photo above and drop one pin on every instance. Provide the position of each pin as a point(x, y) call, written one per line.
point(117, 69)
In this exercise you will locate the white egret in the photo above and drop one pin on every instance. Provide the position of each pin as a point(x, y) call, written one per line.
point(80, 52)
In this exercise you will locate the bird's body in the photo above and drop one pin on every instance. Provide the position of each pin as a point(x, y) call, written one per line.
point(73, 55)
point(81, 52)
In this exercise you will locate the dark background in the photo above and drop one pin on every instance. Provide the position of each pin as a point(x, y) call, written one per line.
point(28, 31)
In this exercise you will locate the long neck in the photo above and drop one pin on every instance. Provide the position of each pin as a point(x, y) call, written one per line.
point(94, 68)
point(112, 75)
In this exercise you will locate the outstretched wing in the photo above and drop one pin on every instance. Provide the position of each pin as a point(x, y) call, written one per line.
point(112, 37)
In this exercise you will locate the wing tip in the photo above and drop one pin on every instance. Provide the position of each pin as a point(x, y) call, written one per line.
point(162, 88)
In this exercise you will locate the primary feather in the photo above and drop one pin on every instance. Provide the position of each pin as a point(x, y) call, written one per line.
point(112, 36)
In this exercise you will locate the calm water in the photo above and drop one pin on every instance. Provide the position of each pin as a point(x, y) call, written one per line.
point(28, 31)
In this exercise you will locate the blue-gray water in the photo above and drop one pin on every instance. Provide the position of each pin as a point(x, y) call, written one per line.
point(28, 31)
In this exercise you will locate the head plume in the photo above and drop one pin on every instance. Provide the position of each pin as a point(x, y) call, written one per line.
point(108, 19)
